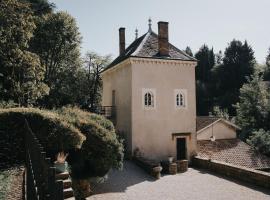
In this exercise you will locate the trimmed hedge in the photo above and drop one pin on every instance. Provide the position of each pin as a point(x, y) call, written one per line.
point(54, 133)
point(89, 139)
point(101, 150)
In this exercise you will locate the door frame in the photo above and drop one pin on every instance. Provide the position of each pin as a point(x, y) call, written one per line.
point(186, 149)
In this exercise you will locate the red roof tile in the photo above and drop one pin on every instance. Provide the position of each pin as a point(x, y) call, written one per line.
point(233, 151)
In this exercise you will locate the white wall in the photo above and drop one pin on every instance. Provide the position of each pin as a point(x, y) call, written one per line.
point(152, 129)
point(220, 130)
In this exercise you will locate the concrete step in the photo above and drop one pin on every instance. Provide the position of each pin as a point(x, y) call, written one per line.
point(70, 198)
point(62, 176)
point(68, 193)
point(67, 183)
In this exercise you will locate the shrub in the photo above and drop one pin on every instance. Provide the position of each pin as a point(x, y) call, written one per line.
point(90, 139)
point(101, 150)
point(77, 116)
point(260, 140)
point(53, 132)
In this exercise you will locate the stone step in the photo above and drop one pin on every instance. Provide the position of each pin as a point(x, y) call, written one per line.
point(68, 193)
point(62, 176)
point(67, 183)
point(70, 198)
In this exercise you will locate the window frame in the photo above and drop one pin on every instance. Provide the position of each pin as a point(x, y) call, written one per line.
point(183, 93)
point(152, 92)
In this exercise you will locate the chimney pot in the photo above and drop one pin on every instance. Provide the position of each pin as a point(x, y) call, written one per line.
point(163, 39)
point(122, 40)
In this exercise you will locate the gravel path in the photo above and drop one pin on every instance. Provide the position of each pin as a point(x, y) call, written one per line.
point(133, 184)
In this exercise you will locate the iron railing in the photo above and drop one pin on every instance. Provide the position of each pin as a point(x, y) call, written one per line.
point(40, 180)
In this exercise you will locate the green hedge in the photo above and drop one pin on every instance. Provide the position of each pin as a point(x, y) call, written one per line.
point(54, 133)
point(90, 139)
point(101, 150)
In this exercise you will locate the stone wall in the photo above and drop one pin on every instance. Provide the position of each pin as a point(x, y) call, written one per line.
point(252, 176)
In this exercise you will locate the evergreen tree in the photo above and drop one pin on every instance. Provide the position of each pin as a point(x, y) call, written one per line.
point(267, 68)
point(206, 61)
point(238, 64)
point(189, 51)
point(253, 109)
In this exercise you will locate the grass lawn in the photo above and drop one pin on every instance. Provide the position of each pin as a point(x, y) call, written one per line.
point(7, 178)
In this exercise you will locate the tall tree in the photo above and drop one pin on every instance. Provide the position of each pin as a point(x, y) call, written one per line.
point(57, 42)
point(21, 70)
point(206, 61)
point(253, 113)
point(253, 109)
point(40, 7)
point(238, 64)
point(189, 51)
point(95, 64)
point(267, 68)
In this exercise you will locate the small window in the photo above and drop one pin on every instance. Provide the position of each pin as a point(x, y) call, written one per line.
point(149, 98)
point(180, 98)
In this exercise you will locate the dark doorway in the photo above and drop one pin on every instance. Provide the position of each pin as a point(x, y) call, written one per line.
point(181, 148)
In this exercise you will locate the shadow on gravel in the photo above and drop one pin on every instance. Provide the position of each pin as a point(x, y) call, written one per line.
point(119, 181)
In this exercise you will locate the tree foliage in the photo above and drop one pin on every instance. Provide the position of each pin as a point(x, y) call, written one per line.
point(189, 51)
point(21, 69)
point(57, 42)
point(94, 65)
point(260, 140)
point(204, 96)
point(267, 67)
point(253, 109)
point(238, 64)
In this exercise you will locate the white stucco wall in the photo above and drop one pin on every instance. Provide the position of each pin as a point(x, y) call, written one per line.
point(119, 79)
point(220, 130)
point(152, 129)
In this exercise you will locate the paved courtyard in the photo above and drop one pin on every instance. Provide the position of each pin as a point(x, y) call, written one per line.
point(133, 184)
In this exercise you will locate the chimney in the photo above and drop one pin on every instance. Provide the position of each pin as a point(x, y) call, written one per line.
point(163, 39)
point(122, 43)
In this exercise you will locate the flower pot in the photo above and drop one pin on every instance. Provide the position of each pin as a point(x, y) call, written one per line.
point(156, 172)
point(61, 167)
point(170, 159)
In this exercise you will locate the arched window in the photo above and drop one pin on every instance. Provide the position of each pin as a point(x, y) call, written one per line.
point(149, 99)
point(180, 98)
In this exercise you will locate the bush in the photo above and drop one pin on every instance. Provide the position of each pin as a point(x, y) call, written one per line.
point(260, 140)
point(89, 139)
point(101, 150)
point(53, 132)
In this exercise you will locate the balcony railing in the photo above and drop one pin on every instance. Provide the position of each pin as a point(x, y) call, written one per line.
point(107, 111)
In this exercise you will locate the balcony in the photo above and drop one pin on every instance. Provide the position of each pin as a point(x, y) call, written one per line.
point(107, 111)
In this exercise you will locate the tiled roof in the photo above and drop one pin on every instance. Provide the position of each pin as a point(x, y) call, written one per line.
point(233, 151)
point(204, 121)
point(146, 46)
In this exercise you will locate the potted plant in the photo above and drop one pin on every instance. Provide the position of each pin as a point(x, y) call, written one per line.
point(170, 159)
point(60, 164)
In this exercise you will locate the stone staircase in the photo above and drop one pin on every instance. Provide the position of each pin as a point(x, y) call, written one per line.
point(68, 192)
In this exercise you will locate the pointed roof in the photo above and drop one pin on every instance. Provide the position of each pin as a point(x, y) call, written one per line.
point(146, 46)
point(203, 122)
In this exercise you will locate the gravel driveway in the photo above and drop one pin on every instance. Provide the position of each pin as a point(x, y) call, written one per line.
point(134, 184)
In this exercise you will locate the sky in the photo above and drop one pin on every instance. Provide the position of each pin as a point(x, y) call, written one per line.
point(191, 22)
